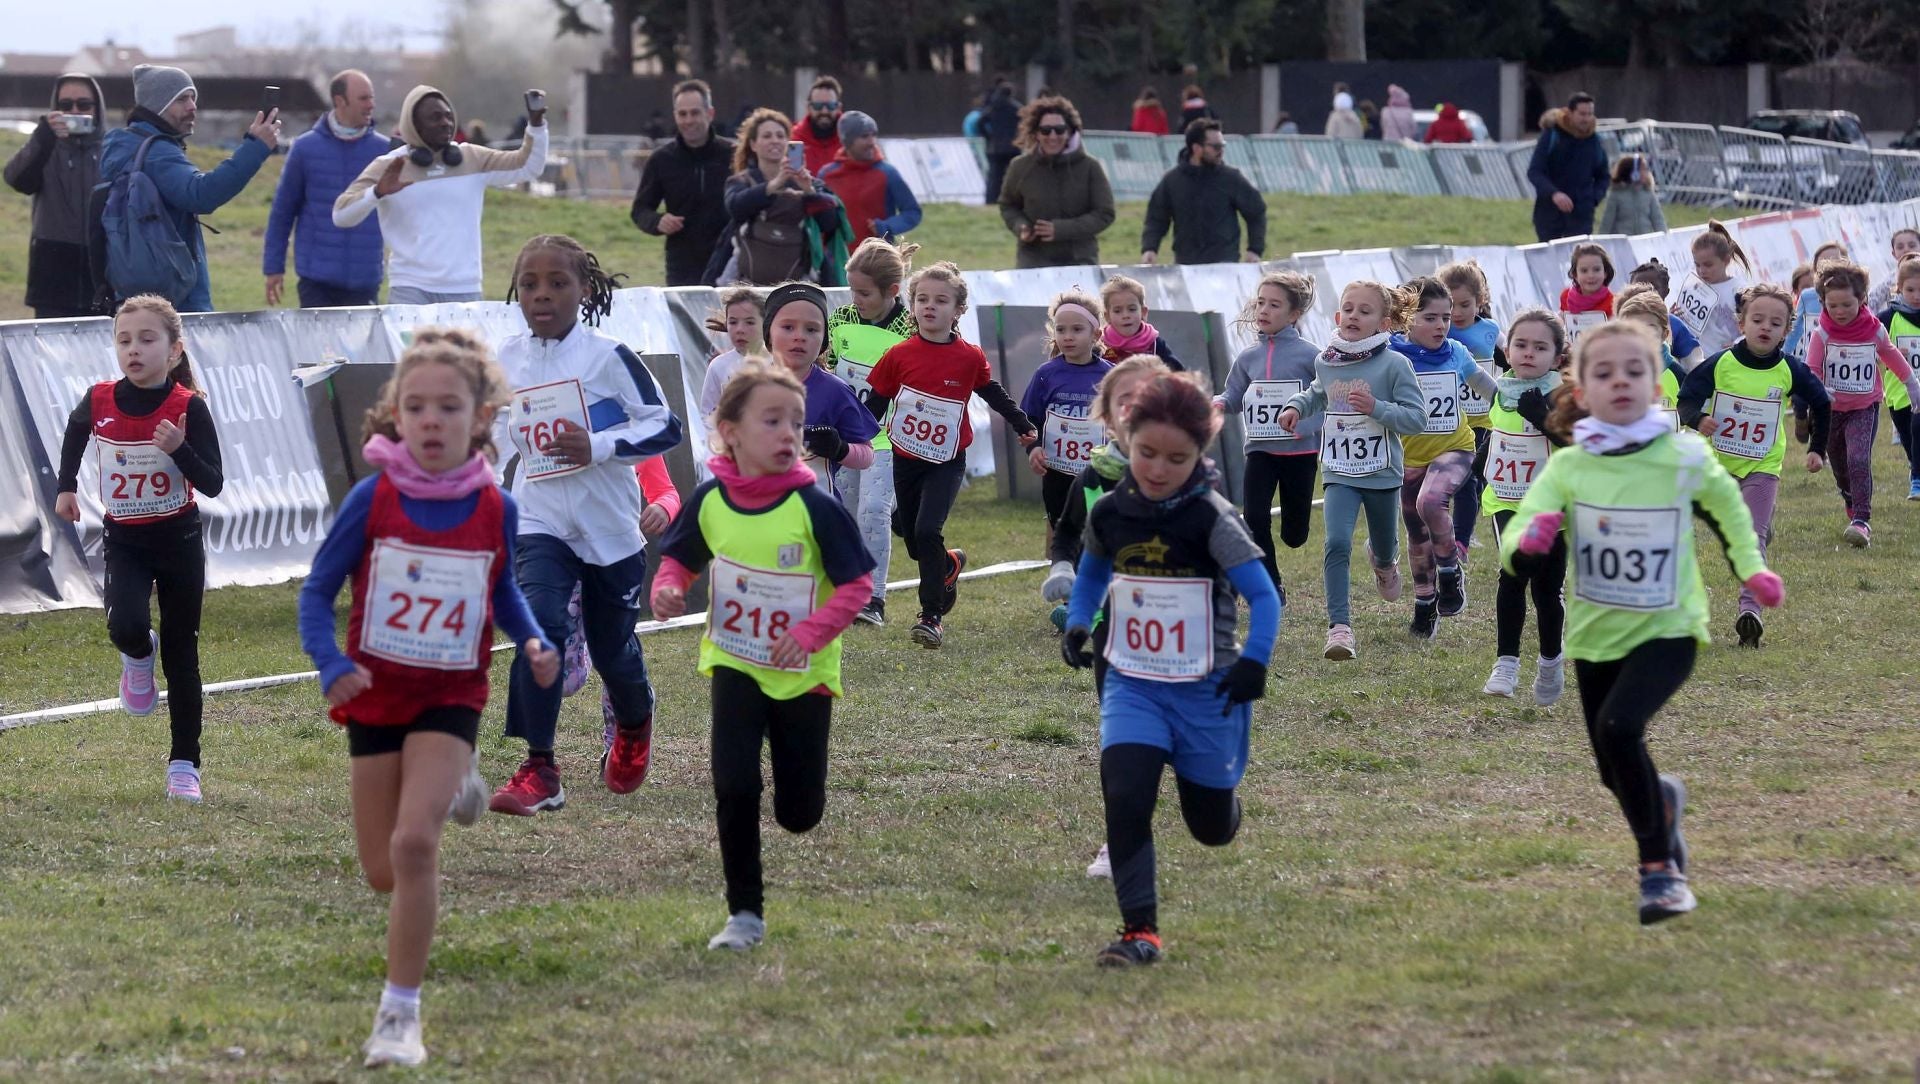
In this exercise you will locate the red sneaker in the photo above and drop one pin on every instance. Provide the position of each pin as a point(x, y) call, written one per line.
point(625, 766)
point(533, 788)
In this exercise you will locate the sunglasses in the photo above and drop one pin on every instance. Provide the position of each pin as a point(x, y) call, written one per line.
point(823, 107)
point(1215, 146)
point(1052, 129)
point(75, 105)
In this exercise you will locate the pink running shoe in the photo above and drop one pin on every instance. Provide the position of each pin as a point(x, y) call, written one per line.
point(138, 695)
point(183, 781)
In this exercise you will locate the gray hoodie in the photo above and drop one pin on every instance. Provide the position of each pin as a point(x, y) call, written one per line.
point(1282, 356)
point(1398, 407)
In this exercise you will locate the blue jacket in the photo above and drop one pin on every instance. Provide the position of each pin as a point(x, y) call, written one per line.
point(1563, 162)
point(188, 192)
point(320, 166)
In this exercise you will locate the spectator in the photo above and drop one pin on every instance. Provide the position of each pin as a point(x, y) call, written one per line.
point(1200, 198)
point(1343, 122)
point(657, 126)
point(1568, 171)
point(690, 176)
point(821, 133)
point(1149, 116)
point(165, 108)
point(337, 267)
point(781, 225)
point(875, 195)
point(1369, 118)
point(1193, 106)
point(1396, 121)
point(1633, 206)
point(58, 166)
point(1449, 126)
point(430, 192)
point(1056, 198)
point(1000, 123)
point(970, 124)
point(1283, 124)
point(477, 131)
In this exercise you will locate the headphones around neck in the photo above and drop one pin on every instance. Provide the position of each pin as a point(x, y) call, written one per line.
point(423, 156)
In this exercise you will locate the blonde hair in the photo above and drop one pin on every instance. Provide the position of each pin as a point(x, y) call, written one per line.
point(1399, 303)
point(1909, 268)
point(467, 353)
point(883, 261)
point(1121, 284)
point(1297, 285)
point(1123, 369)
point(1721, 242)
point(743, 155)
point(739, 387)
point(1760, 291)
point(182, 371)
point(1073, 295)
point(1466, 275)
point(945, 271)
point(1641, 299)
point(1565, 411)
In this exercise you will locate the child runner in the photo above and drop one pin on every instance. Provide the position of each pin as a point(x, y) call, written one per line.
point(412, 683)
point(157, 449)
point(931, 375)
point(1588, 302)
point(839, 431)
point(1165, 554)
point(583, 412)
point(789, 573)
point(859, 333)
point(1639, 304)
point(739, 318)
point(1521, 445)
point(1061, 395)
point(1709, 298)
point(1683, 344)
point(1846, 351)
point(1127, 332)
point(1626, 493)
point(1806, 310)
point(1737, 398)
point(1904, 243)
point(1371, 399)
point(1439, 458)
point(1473, 327)
point(1901, 318)
point(1278, 366)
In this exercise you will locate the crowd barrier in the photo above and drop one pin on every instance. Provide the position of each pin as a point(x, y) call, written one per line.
point(274, 381)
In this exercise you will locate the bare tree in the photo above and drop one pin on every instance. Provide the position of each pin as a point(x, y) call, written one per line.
point(1346, 30)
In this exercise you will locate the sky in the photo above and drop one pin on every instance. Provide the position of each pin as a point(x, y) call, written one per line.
point(52, 28)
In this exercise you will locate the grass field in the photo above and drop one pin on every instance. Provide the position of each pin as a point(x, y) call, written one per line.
point(973, 237)
point(1430, 884)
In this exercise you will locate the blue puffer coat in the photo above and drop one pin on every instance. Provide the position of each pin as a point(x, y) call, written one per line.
point(319, 167)
point(188, 192)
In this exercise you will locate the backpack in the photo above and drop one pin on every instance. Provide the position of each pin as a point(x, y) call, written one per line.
point(772, 250)
point(145, 254)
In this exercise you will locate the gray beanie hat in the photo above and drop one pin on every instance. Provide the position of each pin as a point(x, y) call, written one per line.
point(155, 87)
point(855, 124)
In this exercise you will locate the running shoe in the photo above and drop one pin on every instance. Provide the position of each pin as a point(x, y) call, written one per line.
point(1749, 628)
point(1505, 677)
point(1913, 490)
point(1387, 579)
point(1674, 792)
point(1858, 534)
point(742, 932)
point(396, 1037)
point(627, 760)
point(1101, 868)
point(137, 692)
point(927, 633)
point(1549, 681)
point(535, 787)
point(1664, 894)
point(1453, 591)
point(1340, 645)
point(471, 800)
point(956, 564)
point(575, 656)
point(1426, 619)
point(1137, 945)
point(1058, 618)
point(873, 613)
point(183, 781)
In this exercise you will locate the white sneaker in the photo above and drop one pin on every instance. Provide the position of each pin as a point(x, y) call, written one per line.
point(1505, 676)
point(1101, 867)
point(471, 799)
point(742, 932)
point(1550, 681)
point(396, 1037)
point(183, 781)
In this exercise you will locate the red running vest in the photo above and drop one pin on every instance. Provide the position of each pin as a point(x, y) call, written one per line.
point(109, 424)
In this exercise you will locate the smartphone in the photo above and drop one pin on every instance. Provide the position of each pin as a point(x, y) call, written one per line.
point(269, 100)
point(536, 101)
point(796, 156)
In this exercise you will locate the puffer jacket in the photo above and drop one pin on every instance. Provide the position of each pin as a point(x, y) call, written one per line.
point(319, 167)
point(59, 174)
point(1070, 190)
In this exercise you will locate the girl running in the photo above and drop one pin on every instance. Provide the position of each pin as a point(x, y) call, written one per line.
point(1709, 300)
point(1588, 301)
point(932, 374)
point(1440, 458)
point(876, 322)
point(1127, 332)
point(788, 574)
point(1061, 394)
point(1165, 555)
point(1371, 398)
point(1625, 493)
point(740, 319)
point(1904, 243)
point(1736, 400)
point(583, 412)
point(1278, 366)
point(1806, 311)
point(1846, 350)
point(1901, 318)
point(839, 431)
point(429, 544)
point(1640, 304)
point(157, 449)
point(1473, 328)
point(1682, 342)
point(1521, 445)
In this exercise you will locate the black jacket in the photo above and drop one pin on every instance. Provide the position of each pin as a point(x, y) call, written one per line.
point(1201, 203)
point(1000, 123)
point(692, 181)
point(59, 174)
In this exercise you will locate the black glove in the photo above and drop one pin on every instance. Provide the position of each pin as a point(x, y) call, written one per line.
point(1534, 407)
point(1246, 680)
point(826, 442)
point(1073, 647)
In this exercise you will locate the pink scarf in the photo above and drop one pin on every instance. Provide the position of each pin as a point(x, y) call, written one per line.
point(1573, 299)
point(414, 480)
point(1140, 342)
point(1864, 329)
point(761, 490)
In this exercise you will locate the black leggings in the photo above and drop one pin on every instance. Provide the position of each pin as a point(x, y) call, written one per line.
point(1903, 425)
point(1546, 576)
point(173, 564)
point(1619, 699)
point(1130, 781)
point(795, 732)
point(1055, 486)
point(1292, 476)
point(925, 493)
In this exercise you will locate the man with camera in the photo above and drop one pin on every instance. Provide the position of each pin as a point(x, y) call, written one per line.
point(58, 167)
point(336, 267)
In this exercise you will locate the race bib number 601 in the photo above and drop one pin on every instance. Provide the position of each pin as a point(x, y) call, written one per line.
point(1162, 628)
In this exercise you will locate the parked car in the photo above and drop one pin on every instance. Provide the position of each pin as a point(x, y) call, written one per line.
point(1805, 172)
point(1424, 118)
point(1831, 125)
point(1910, 141)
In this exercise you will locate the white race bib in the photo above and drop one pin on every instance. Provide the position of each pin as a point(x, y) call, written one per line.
point(751, 606)
point(1162, 629)
point(1579, 323)
point(1910, 346)
point(536, 416)
point(1514, 460)
point(1353, 445)
point(1626, 558)
point(1069, 443)
point(927, 427)
point(1261, 406)
point(426, 606)
point(1744, 428)
point(1472, 403)
point(1852, 368)
point(1695, 305)
point(1441, 395)
point(139, 481)
point(856, 374)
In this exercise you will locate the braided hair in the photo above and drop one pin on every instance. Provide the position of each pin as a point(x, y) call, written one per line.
point(597, 284)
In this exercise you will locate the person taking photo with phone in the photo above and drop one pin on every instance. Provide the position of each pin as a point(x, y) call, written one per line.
point(779, 216)
point(58, 166)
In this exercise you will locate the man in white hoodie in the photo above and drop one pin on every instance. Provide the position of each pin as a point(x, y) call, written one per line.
point(430, 192)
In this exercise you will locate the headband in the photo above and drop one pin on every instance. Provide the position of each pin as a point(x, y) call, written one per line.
point(785, 295)
point(1082, 309)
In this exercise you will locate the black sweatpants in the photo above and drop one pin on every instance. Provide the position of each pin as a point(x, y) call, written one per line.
point(1130, 782)
point(1546, 576)
point(924, 494)
point(167, 559)
point(795, 732)
point(1619, 699)
point(1292, 477)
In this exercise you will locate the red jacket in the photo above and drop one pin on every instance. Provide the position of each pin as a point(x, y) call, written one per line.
point(1151, 119)
point(862, 188)
point(819, 151)
point(1448, 127)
